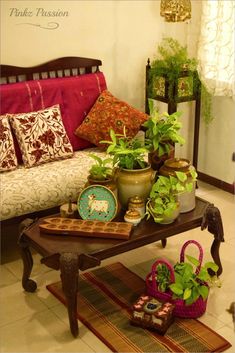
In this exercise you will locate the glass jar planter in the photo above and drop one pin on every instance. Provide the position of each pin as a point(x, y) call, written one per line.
point(187, 198)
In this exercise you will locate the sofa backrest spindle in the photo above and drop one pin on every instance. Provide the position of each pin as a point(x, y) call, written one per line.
point(62, 67)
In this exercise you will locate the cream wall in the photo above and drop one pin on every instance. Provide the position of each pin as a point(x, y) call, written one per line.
point(123, 34)
point(217, 142)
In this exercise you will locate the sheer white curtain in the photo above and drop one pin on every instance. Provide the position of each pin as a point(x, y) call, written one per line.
point(216, 47)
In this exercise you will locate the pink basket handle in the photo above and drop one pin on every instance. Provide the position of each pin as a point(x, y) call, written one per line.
point(200, 257)
point(154, 272)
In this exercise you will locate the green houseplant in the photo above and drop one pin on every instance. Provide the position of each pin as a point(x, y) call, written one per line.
point(102, 173)
point(163, 204)
point(185, 284)
point(173, 63)
point(127, 153)
point(134, 174)
point(189, 285)
point(186, 198)
point(162, 132)
point(101, 169)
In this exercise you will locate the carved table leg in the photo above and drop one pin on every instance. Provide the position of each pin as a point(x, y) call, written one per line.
point(213, 222)
point(28, 284)
point(69, 278)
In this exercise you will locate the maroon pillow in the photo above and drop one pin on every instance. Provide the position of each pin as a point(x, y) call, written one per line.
point(8, 160)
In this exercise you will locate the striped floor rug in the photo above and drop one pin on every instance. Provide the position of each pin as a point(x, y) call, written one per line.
point(104, 301)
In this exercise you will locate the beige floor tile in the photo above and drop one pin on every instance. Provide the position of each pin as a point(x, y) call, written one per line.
point(86, 335)
point(231, 242)
point(42, 293)
point(16, 267)
point(40, 332)
point(174, 245)
point(226, 204)
point(219, 301)
point(204, 188)
point(6, 277)
point(16, 304)
point(229, 334)
point(211, 321)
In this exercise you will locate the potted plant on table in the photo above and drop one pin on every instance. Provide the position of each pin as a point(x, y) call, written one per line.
point(101, 172)
point(163, 204)
point(134, 174)
point(187, 197)
point(162, 132)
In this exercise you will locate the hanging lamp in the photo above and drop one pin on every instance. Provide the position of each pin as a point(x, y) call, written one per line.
point(175, 10)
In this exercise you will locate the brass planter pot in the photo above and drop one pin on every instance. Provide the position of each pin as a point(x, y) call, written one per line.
point(136, 182)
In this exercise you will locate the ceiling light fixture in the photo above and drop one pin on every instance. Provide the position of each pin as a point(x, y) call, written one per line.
point(175, 10)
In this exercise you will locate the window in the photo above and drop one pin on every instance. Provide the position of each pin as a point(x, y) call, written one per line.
point(216, 47)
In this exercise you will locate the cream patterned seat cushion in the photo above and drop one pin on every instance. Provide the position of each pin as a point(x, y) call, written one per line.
point(45, 186)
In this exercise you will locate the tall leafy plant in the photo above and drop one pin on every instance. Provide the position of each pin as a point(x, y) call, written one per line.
point(162, 130)
point(128, 153)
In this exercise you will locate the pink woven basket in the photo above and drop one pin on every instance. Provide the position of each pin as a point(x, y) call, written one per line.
point(194, 310)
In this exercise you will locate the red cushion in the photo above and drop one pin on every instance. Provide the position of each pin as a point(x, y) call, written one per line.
point(75, 95)
point(108, 113)
point(8, 159)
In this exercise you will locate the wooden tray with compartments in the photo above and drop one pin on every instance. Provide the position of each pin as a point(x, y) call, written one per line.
point(86, 228)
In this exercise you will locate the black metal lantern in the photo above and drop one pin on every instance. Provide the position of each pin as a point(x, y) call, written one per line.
point(184, 88)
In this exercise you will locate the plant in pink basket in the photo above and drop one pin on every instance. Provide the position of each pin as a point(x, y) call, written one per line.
point(186, 284)
point(190, 285)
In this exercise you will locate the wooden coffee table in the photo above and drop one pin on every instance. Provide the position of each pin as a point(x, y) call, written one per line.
point(69, 254)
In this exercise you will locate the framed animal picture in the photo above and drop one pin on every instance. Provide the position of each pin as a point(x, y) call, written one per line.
point(97, 202)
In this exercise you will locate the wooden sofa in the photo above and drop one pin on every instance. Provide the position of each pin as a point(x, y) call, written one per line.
point(37, 191)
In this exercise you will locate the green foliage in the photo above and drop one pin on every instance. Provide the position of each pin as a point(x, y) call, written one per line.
point(188, 285)
point(163, 277)
point(162, 130)
point(128, 153)
point(161, 207)
point(163, 195)
point(206, 104)
point(101, 170)
point(172, 58)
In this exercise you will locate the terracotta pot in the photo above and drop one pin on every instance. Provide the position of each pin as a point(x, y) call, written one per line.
point(136, 182)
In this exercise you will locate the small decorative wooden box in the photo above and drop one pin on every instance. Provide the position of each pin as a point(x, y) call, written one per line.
point(149, 313)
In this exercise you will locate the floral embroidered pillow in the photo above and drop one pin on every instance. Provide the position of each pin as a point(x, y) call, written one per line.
point(8, 160)
point(107, 113)
point(41, 136)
